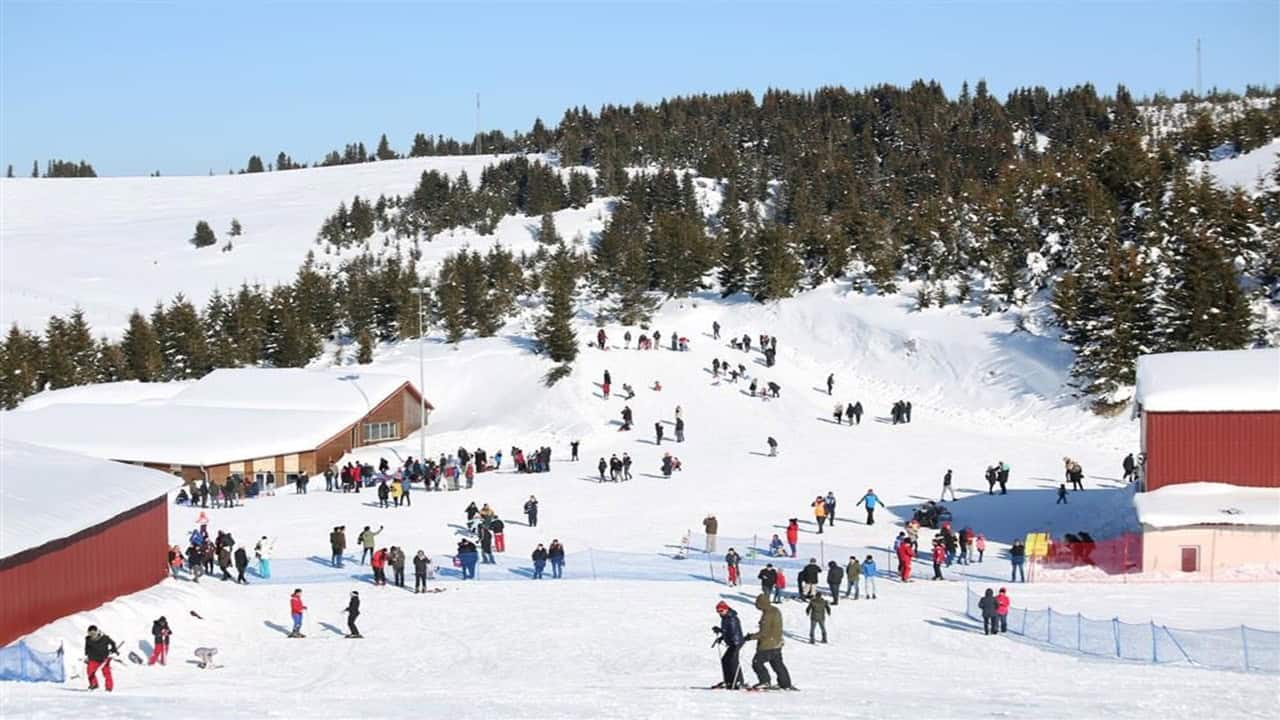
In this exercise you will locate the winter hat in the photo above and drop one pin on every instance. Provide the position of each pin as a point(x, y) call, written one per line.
point(356, 593)
point(93, 628)
point(722, 606)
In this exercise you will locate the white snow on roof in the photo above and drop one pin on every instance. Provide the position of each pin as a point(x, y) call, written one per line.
point(1239, 380)
point(174, 434)
point(115, 393)
point(1206, 503)
point(344, 390)
point(47, 494)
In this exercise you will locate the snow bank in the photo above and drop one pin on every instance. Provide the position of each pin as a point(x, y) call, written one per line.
point(1239, 380)
point(1205, 503)
point(47, 494)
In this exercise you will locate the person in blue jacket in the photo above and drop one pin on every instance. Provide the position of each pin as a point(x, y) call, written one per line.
point(730, 634)
point(468, 556)
point(869, 577)
point(870, 501)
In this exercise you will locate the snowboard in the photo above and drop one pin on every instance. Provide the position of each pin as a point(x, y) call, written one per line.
point(135, 658)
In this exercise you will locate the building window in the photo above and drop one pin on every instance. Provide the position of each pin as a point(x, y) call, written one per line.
point(377, 431)
point(1191, 558)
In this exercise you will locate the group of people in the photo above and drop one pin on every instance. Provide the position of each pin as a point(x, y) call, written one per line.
point(677, 342)
point(203, 553)
point(852, 412)
point(619, 469)
point(901, 412)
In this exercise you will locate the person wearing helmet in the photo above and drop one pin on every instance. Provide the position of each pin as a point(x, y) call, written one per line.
point(729, 632)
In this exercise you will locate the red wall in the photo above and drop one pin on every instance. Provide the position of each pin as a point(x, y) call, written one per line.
point(123, 555)
point(1240, 448)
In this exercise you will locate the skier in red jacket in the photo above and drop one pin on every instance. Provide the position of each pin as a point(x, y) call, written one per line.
point(904, 560)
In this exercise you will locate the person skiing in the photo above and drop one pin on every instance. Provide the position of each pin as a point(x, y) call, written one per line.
point(831, 383)
point(818, 609)
point(835, 576)
point(539, 557)
point(710, 526)
point(353, 611)
point(820, 512)
point(296, 608)
point(262, 551)
point(903, 550)
point(809, 578)
point(531, 510)
point(987, 604)
point(160, 634)
point(1002, 610)
point(98, 649)
point(853, 578)
point(869, 577)
point(768, 640)
point(366, 542)
point(1130, 468)
point(1062, 494)
point(729, 632)
point(732, 560)
point(946, 487)
point(773, 444)
point(555, 554)
point(870, 501)
point(793, 534)
point(1017, 557)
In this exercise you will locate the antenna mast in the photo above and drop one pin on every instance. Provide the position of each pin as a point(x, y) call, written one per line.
point(478, 144)
point(1197, 67)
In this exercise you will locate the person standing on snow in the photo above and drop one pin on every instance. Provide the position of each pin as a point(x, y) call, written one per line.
point(939, 556)
point(980, 544)
point(869, 571)
point(397, 565)
point(830, 502)
point(296, 608)
point(905, 556)
point(98, 649)
point(262, 551)
point(602, 466)
point(626, 466)
point(379, 565)
point(555, 554)
point(242, 563)
point(857, 413)
point(421, 567)
point(1002, 610)
point(990, 626)
point(710, 525)
point(852, 576)
point(729, 632)
point(573, 450)
point(657, 432)
point(732, 560)
point(531, 510)
point(793, 534)
point(715, 330)
point(818, 609)
point(499, 534)
point(1017, 557)
point(768, 577)
point(366, 542)
point(486, 545)
point(820, 512)
point(773, 444)
point(1062, 494)
point(831, 383)
point(467, 557)
point(607, 384)
point(946, 487)
point(1002, 476)
point(1130, 467)
point(539, 558)
point(353, 611)
point(336, 546)
point(870, 501)
point(768, 646)
point(835, 576)
point(679, 429)
point(809, 578)
point(160, 634)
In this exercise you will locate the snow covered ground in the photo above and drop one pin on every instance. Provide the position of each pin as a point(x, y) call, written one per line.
point(1251, 171)
point(632, 641)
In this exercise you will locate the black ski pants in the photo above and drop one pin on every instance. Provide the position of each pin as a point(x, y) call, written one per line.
point(730, 668)
point(351, 623)
point(772, 658)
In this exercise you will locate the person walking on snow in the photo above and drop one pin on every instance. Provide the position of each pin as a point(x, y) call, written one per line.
point(1129, 468)
point(710, 525)
point(820, 512)
point(531, 510)
point(818, 609)
point(835, 575)
point(262, 551)
point(160, 634)
point(870, 501)
point(946, 487)
point(988, 607)
point(768, 640)
point(838, 413)
point(602, 466)
point(853, 578)
point(729, 632)
point(793, 534)
point(1002, 610)
point(869, 577)
point(353, 611)
point(626, 467)
point(366, 542)
point(296, 608)
point(98, 649)
point(732, 560)
point(242, 564)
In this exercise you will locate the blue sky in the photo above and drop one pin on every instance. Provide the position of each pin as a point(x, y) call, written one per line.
point(185, 87)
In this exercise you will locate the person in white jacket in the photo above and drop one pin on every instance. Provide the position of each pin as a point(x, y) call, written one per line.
point(262, 551)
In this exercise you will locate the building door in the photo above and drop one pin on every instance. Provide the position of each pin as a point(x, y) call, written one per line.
point(1191, 558)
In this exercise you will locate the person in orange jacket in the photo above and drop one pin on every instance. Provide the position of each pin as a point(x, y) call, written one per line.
point(793, 534)
point(820, 512)
point(1002, 610)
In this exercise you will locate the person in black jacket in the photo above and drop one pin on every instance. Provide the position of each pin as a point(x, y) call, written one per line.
point(160, 634)
point(98, 649)
point(353, 612)
point(768, 578)
point(242, 562)
point(988, 607)
point(420, 563)
point(531, 511)
point(486, 545)
point(835, 576)
point(539, 558)
point(730, 634)
point(556, 555)
point(809, 578)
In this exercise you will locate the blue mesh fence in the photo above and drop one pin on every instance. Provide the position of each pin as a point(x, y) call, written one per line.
point(1239, 648)
point(20, 662)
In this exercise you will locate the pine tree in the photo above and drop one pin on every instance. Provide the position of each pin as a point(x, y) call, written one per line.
point(682, 253)
point(776, 269)
point(364, 355)
point(204, 236)
point(109, 362)
point(547, 234)
point(384, 151)
point(555, 332)
point(21, 357)
point(142, 358)
point(735, 254)
point(254, 165)
point(236, 230)
point(449, 306)
point(182, 341)
point(9, 173)
point(35, 168)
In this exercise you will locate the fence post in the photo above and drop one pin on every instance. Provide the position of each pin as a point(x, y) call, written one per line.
point(822, 551)
point(1155, 657)
point(1244, 642)
point(591, 555)
point(1178, 645)
point(1049, 623)
point(711, 570)
point(1115, 629)
point(1079, 632)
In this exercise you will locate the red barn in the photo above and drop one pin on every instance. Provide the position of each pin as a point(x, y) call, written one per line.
point(75, 532)
point(1210, 417)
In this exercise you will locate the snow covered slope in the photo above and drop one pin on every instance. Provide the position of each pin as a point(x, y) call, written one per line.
point(1251, 170)
point(109, 245)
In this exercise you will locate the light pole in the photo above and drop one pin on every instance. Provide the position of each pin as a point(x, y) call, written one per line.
point(420, 291)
